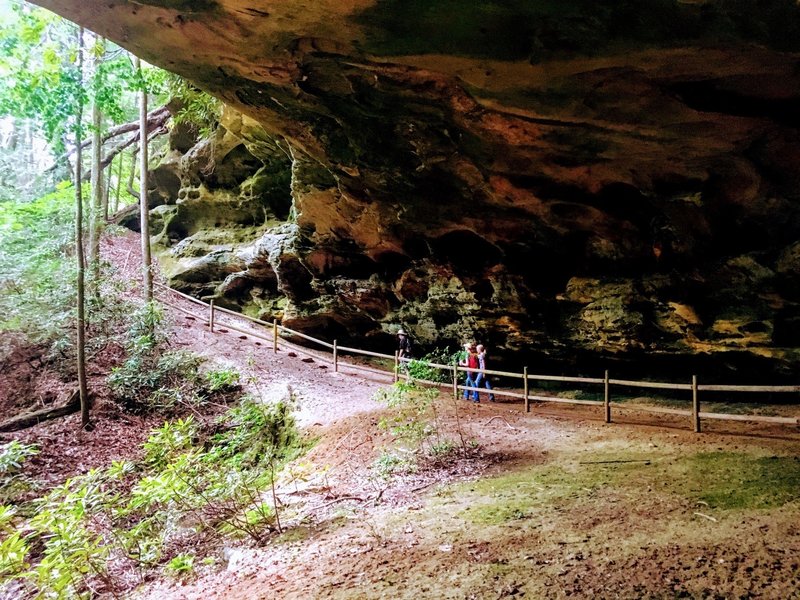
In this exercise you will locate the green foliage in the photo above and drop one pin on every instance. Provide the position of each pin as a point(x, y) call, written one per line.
point(443, 449)
point(221, 380)
point(391, 463)
point(41, 75)
point(409, 423)
point(13, 454)
point(186, 485)
point(12, 457)
point(72, 551)
point(256, 433)
point(169, 440)
point(112, 84)
point(37, 282)
point(151, 377)
point(421, 369)
point(180, 565)
point(13, 547)
point(197, 108)
point(414, 423)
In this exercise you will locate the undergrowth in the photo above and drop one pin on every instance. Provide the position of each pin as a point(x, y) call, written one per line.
point(417, 425)
point(422, 370)
point(37, 280)
point(194, 481)
point(156, 378)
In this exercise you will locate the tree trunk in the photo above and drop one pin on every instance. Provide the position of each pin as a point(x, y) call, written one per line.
point(132, 174)
point(107, 191)
point(97, 193)
point(81, 325)
point(120, 170)
point(143, 203)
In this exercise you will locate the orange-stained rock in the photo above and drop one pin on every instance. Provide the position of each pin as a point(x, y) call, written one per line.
point(605, 183)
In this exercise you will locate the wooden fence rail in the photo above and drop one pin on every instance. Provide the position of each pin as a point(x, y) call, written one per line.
point(453, 370)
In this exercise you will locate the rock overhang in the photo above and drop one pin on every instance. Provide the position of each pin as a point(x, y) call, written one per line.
point(592, 141)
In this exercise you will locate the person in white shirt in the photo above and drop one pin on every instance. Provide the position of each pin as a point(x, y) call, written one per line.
point(482, 378)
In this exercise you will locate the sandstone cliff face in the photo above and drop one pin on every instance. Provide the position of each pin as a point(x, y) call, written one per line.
point(608, 179)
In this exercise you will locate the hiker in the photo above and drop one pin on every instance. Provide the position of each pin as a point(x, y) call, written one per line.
point(469, 359)
point(482, 377)
point(403, 345)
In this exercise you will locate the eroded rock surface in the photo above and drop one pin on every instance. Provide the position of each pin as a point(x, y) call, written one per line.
point(580, 179)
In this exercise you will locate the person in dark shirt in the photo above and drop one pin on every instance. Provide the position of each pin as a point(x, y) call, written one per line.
point(404, 345)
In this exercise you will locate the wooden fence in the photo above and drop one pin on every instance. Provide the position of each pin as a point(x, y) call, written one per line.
point(283, 335)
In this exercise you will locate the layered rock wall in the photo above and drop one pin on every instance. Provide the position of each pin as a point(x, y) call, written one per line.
point(581, 179)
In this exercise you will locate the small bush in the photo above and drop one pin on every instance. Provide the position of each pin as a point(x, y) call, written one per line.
point(421, 369)
point(13, 454)
point(221, 380)
point(182, 564)
point(443, 449)
point(390, 463)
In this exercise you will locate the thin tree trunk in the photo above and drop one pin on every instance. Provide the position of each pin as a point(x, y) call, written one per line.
point(97, 173)
point(97, 195)
point(107, 193)
point(119, 181)
point(144, 208)
point(81, 350)
point(29, 141)
point(132, 174)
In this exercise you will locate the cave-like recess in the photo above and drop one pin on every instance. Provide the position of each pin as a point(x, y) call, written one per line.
point(577, 184)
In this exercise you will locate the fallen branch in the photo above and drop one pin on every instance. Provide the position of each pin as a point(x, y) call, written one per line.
point(72, 405)
point(425, 485)
point(705, 517)
point(109, 158)
point(339, 499)
point(155, 118)
point(504, 421)
point(611, 462)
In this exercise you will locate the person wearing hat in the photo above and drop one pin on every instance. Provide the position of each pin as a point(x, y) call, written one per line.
point(404, 344)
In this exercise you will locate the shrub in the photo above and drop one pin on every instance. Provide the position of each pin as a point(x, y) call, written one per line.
point(132, 513)
point(152, 378)
point(13, 454)
point(221, 380)
point(420, 369)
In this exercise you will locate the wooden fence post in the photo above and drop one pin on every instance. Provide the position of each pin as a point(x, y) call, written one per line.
point(211, 316)
point(606, 397)
point(335, 357)
point(275, 336)
point(695, 405)
point(455, 380)
point(525, 387)
point(396, 366)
